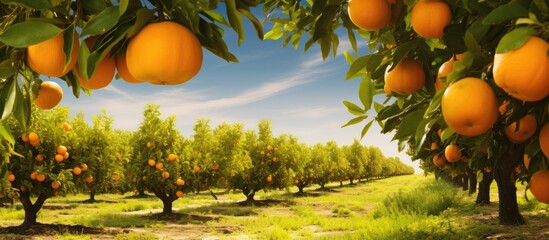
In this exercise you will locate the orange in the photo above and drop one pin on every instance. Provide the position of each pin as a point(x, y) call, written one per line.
point(469, 106)
point(88, 179)
point(48, 57)
point(116, 178)
point(445, 69)
point(369, 14)
point(387, 90)
point(430, 17)
point(539, 184)
point(25, 137)
point(196, 169)
point(33, 137)
point(523, 72)
point(487, 169)
point(406, 78)
point(66, 126)
point(269, 148)
point(262, 153)
point(452, 153)
point(103, 74)
point(55, 185)
point(122, 69)
point(544, 139)
point(296, 181)
point(172, 157)
point(165, 174)
point(76, 171)
point(180, 182)
point(159, 166)
point(61, 149)
point(151, 162)
point(11, 177)
point(438, 160)
point(527, 127)
point(275, 159)
point(526, 160)
point(59, 158)
point(179, 194)
point(49, 95)
point(164, 53)
point(434, 145)
point(269, 179)
point(40, 177)
point(503, 107)
point(149, 145)
point(84, 167)
point(275, 149)
point(66, 155)
point(33, 175)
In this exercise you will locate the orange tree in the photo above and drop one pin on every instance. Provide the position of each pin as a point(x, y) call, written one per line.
point(296, 162)
point(203, 164)
point(155, 164)
point(261, 171)
point(357, 157)
point(43, 38)
point(40, 169)
point(322, 168)
point(409, 41)
point(374, 168)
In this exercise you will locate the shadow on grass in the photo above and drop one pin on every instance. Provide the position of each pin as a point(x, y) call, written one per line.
point(54, 229)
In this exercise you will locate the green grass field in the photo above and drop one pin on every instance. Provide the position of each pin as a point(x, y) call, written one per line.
point(406, 207)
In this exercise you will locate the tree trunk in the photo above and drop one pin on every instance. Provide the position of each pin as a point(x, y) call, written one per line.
point(464, 182)
point(250, 198)
point(505, 177)
point(351, 181)
point(92, 194)
point(31, 209)
point(340, 183)
point(167, 201)
point(472, 182)
point(300, 187)
point(167, 206)
point(483, 196)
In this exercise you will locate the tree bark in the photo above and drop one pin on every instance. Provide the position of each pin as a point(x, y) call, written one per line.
point(300, 187)
point(483, 196)
point(340, 183)
point(472, 182)
point(505, 177)
point(31, 210)
point(167, 201)
point(464, 182)
point(351, 181)
point(167, 209)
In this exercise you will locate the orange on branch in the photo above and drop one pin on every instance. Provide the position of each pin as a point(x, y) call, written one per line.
point(33, 175)
point(180, 182)
point(122, 69)
point(523, 72)
point(104, 71)
point(526, 129)
point(76, 171)
point(59, 158)
point(369, 14)
point(165, 174)
point(40, 177)
point(452, 153)
point(445, 69)
point(55, 184)
point(480, 113)
point(151, 162)
point(49, 58)
point(49, 95)
point(172, 157)
point(430, 17)
point(159, 166)
point(25, 137)
point(84, 167)
point(179, 194)
point(164, 53)
point(406, 78)
point(539, 183)
point(61, 149)
point(438, 160)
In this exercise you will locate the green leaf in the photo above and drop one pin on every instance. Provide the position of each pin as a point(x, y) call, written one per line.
point(102, 22)
point(472, 44)
point(255, 22)
point(7, 98)
point(6, 133)
point(514, 39)
point(123, 6)
point(22, 108)
point(6, 69)
point(359, 64)
point(35, 4)
point(83, 56)
point(365, 129)
point(318, 7)
point(143, 16)
point(409, 125)
point(505, 13)
point(435, 104)
point(366, 92)
point(94, 6)
point(378, 107)
point(325, 46)
point(68, 46)
point(235, 19)
point(374, 62)
point(323, 26)
point(353, 108)
point(21, 35)
point(446, 134)
point(354, 121)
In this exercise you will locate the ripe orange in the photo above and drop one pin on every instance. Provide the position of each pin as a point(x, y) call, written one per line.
point(526, 129)
point(39, 157)
point(544, 139)
point(49, 95)
point(269, 179)
point(40, 177)
point(526, 160)
point(269, 148)
point(122, 69)
point(59, 158)
point(55, 184)
point(172, 157)
point(33, 175)
point(33, 137)
point(103, 74)
point(150, 144)
point(84, 167)
point(262, 153)
point(196, 169)
point(369, 14)
point(66, 127)
point(88, 179)
point(150, 60)
point(452, 153)
point(481, 111)
point(179, 194)
point(61, 149)
point(296, 181)
point(438, 160)
point(165, 174)
point(25, 137)
point(11, 177)
point(66, 156)
point(275, 149)
point(180, 182)
point(48, 57)
point(387, 90)
point(445, 69)
point(406, 78)
point(159, 166)
point(538, 185)
point(275, 159)
point(151, 162)
point(434, 145)
point(76, 171)
point(523, 72)
point(116, 178)
point(430, 17)
point(487, 169)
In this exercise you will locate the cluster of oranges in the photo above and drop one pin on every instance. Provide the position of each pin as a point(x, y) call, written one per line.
point(165, 174)
point(163, 53)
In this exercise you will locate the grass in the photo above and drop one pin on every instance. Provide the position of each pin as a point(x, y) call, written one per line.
point(406, 207)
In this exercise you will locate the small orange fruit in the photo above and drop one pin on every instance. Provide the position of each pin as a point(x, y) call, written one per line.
point(39, 157)
point(59, 158)
point(180, 182)
point(159, 166)
point(40, 177)
point(369, 14)
point(269, 179)
point(103, 74)
point(452, 153)
point(406, 78)
point(430, 17)
point(434, 145)
point(172, 157)
point(55, 184)
point(438, 160)
point(33, 137)
point(151, 162)
point(88, 179)
point(179, 194)
point(538, 185)
point(49, 95)
point(11, 177)
point(76, 171)
point(84, 167)
point(116, 178)
point(165, 174)
point(196, 169)
point(66, 155)
point(445, 69)
point(61, 150)
point(33, 175)
point(25, 137)
point(526, 129)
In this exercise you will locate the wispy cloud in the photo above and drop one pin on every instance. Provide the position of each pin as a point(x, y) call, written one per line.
point(314, 112)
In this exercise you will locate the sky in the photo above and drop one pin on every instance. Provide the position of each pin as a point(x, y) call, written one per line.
point(298, 92)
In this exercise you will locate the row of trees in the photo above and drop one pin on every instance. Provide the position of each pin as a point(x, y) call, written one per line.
point(71, 155)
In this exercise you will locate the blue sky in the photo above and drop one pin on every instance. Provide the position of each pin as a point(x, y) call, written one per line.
point(298, 92)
